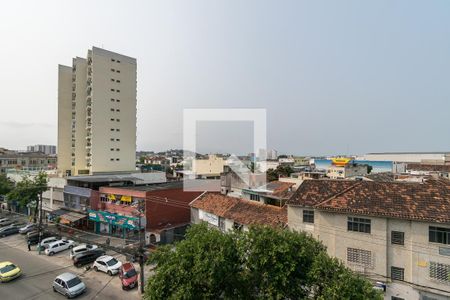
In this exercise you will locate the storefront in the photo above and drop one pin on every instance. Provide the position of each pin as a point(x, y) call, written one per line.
point(115, 225)
point(68, 218)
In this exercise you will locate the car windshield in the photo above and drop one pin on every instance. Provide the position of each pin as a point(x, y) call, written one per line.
point(7, 268)
point(112, 262)
point(73, 282)
point(130, 273)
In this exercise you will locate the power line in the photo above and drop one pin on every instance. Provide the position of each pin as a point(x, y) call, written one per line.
point(409, 283)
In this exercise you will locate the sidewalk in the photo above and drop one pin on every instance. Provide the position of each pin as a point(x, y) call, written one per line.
point(94, 279)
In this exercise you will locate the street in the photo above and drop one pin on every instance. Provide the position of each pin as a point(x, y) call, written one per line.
point(39, 271)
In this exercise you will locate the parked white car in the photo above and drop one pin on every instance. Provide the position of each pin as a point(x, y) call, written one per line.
point(107, 264)
point(81, 248)
point(59, 246)
point(45, 242)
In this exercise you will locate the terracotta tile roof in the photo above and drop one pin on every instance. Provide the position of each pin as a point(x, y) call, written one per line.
point(384, 176)
point(312, 192)
point(214, 203)
point(428, 168)
point(281, 189)
point(250, 212)
point(276, 189)
point(242, 211)
point(429, 201)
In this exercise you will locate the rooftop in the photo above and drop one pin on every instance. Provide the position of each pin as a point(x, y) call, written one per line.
point(154, 186)
point(428, 167)
point(443, 152)
point(383, 176)
point(429, 201)
point(246, 212)
point(276, 189)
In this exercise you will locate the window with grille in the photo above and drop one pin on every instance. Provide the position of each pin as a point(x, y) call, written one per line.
point(308, 216)
point(359, 257)
point(222, 223)
point(254, 197)
point(440, 272)
point(237, 226)
point(397, 237)
point(358, 224)
point(439, 235)
point(397, 273)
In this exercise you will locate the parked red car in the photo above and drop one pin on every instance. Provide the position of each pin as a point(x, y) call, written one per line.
point(128, 276)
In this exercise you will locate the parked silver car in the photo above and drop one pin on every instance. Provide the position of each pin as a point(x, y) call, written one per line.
point(69, 285)
point(27, 228)
point(6, 222)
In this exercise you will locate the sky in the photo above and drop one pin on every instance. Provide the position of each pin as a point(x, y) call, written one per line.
point(335, 77)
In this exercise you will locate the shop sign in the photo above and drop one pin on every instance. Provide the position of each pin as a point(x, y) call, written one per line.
point(125, 198)
point(111, 197)
point(106, 217)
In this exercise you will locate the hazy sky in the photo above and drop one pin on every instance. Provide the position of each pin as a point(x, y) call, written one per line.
point(334, 76)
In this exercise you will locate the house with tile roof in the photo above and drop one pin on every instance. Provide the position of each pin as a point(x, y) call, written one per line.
point(273, 193)
point(395, 232)
point(228, 213)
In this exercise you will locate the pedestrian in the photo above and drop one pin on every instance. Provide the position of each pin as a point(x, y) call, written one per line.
point(29, 246)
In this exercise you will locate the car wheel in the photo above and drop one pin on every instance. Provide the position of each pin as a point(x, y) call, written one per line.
point(123, 287)
point(68, 296)
point(71, 246)
point(95, 269)
point(54, 289)
point(109, 273)
point(51, 253)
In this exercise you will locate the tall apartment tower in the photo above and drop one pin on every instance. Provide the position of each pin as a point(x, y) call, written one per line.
point(97, 114)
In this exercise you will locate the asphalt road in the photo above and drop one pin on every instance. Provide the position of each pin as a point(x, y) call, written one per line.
point(39, 271)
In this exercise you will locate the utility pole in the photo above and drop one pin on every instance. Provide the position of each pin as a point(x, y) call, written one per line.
point(141, 247)
point(40, 222)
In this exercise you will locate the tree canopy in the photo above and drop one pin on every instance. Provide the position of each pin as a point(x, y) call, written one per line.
point(262, 263)
point(281, 170)
point(6, 185)
point(27, 191)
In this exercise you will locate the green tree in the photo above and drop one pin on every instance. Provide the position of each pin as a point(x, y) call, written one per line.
point(204, 266)
point(277, 262)
point(28, 191)
point(271, 175)
point(6, 185)
point(334, 281)
point(281, 170)
point(262, 263)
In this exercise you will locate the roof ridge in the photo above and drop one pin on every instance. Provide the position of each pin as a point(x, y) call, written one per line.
point(339, 194)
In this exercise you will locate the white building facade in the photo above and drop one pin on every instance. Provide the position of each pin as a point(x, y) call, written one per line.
point(411, 253)
point(97, 114)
